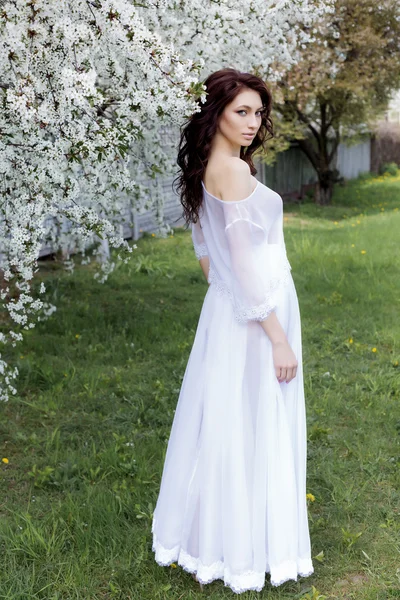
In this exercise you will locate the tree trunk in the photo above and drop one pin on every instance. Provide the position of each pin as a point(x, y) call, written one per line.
point(324, 186)
point(322, 159)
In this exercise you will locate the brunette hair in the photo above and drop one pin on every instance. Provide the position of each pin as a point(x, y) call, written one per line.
point(197, 134)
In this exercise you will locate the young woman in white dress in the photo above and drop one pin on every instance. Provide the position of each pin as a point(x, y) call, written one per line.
point(232, 501)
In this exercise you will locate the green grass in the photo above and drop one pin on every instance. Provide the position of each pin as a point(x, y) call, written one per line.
point(99, 380)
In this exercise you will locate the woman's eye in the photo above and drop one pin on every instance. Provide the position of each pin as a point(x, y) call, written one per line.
point(258, 112)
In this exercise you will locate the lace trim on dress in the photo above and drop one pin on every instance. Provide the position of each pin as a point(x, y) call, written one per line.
point(248, 580)
point(261, 311)
point(200, 250)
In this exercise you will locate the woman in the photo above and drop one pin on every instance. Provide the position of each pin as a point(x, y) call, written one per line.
point(232, 503)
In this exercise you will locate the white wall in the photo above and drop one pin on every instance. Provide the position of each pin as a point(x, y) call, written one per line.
point(353, 160)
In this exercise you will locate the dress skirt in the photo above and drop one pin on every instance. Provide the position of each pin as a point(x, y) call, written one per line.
point(232, 501)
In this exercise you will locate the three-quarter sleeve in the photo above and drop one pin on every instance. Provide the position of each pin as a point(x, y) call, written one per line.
point(199, 243)
point(259, 270)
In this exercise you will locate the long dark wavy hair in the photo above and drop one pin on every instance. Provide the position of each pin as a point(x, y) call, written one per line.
point(198, 132)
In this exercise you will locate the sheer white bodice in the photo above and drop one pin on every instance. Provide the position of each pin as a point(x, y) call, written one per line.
point(245, 243)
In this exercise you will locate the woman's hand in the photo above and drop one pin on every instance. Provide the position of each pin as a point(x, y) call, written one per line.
point(285, 362)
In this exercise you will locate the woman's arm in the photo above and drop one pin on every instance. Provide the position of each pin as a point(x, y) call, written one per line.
point(205, 265)
point(255, 279)
point(273, 329)
point(200, 248)
point(285, 361)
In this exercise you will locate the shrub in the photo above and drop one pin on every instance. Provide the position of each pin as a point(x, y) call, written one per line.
point(365, 175)
point(391, 168)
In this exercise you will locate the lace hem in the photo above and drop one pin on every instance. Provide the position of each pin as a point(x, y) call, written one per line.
point(253, 313)
point(200, 250)
point(248, 580)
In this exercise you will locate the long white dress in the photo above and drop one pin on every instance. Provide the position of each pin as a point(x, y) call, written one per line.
point(232, 502)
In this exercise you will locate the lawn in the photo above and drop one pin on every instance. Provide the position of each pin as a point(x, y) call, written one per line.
point(83, 441)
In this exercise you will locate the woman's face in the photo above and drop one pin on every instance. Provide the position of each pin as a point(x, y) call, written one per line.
point(242, 116)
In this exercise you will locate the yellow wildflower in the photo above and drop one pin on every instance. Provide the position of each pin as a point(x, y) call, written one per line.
point(363, 251)
point(310, 497)
point(350, 340)
point(373, 349)
point(153, 235)
point(77, 336)
point(396, 363)
point(336, 222)
point(352, 245)
point(5, 461)
point(173, 565)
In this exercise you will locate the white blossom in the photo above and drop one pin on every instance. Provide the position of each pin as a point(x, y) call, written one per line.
point(85, 88)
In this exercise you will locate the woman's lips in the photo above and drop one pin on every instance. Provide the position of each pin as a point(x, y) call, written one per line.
point(248, 135)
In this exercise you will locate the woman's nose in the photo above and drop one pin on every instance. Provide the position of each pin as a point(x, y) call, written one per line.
point(253, 122)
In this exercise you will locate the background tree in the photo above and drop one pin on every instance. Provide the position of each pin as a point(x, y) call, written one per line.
point(343, 80)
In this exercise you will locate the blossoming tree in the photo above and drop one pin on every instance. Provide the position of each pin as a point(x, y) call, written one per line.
point(85, 87)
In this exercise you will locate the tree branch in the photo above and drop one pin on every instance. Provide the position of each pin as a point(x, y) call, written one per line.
point(304, 120)
point(335, 147)
point(306, 147)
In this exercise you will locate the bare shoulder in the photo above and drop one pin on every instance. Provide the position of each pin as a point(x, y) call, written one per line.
point(235, 180)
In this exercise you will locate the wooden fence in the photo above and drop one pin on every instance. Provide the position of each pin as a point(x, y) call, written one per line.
point(385, 145)
point(291, 174)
